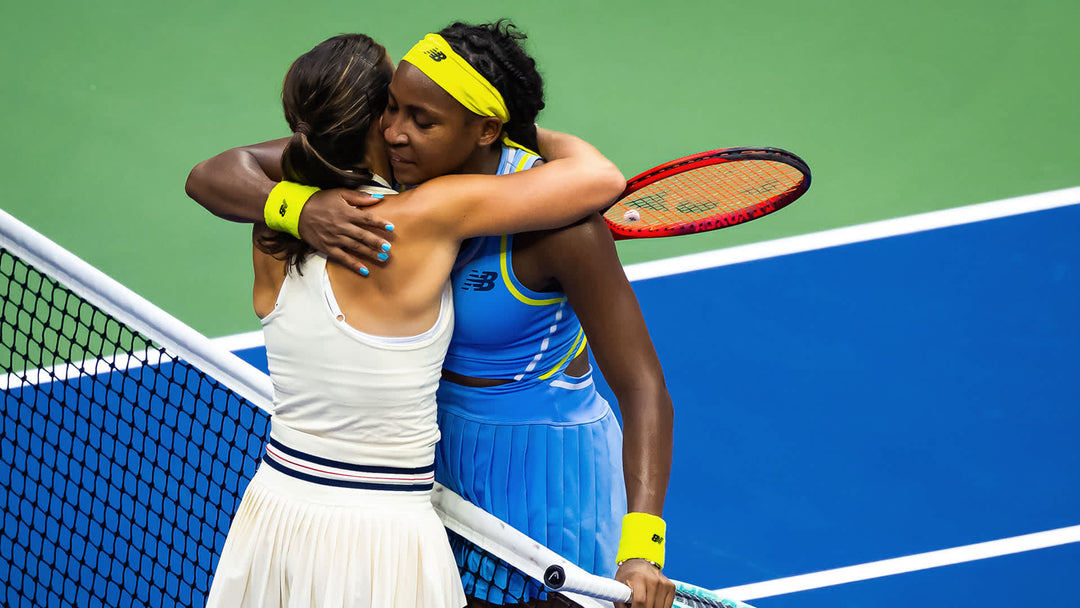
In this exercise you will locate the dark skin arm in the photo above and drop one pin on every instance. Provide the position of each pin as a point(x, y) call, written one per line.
point(234, 186)
point(581, 260)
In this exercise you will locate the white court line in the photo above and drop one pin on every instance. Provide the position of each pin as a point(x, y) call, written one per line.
point(118, 362)
point(243, 341)
point(88, 367)
point(855, 234)
point(901, 565)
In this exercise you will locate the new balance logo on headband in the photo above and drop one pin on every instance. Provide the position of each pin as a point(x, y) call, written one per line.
point(436, 55)
point(480, 281)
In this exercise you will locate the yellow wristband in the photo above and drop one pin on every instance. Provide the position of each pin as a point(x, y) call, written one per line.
point(283, 206)
point(642, 538)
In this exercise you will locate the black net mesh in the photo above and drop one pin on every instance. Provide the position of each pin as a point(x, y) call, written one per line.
point(121, 465)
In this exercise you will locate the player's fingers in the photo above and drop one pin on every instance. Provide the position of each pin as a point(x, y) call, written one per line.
point(371, 221)
point(364, 242)
point(351, 242)
point(641, 596)
point(344, 258)
point(663, 591)
point(669, 598)
point(637, 589)
point(360, 199)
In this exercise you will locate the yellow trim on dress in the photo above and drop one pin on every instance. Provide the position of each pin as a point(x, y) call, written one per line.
point(510, 284)
point(521, 163)
point(575, 349)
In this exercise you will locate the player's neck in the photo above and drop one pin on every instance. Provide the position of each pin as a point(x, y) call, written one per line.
point(484, 161)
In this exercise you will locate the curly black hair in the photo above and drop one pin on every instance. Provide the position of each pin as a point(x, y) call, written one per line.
point(495, 50)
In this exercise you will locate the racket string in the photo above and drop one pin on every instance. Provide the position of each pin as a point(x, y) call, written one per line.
point(724, 192)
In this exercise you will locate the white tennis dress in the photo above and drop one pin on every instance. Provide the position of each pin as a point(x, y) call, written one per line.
point(339, 512)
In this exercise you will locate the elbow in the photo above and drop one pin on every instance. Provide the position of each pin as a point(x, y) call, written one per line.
point(613, 181)
point(195, 181)
point(202, 188)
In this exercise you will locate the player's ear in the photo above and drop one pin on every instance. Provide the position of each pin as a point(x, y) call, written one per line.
point(490, 130)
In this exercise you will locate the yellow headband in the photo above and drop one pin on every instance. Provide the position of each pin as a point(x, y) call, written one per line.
point(434, 57)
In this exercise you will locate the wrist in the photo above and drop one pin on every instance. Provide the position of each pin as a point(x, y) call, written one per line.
point(282, 209)
point(643, 537)
point(642, 560)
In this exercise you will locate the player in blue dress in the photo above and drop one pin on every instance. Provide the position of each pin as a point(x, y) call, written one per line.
point(550, 461)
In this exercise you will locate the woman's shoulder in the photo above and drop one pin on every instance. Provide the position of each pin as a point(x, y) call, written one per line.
point(580, 249)
point(584, 234)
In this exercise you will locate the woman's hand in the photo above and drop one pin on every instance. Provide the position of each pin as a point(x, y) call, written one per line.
point(334, 222)
point(651, 588)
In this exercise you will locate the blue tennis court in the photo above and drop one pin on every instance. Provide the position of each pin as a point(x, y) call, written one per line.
point(875, 400)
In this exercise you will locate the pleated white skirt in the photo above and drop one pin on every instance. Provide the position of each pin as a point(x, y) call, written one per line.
point(297, 544)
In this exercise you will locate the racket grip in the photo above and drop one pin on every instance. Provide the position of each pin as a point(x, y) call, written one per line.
point(556, 579)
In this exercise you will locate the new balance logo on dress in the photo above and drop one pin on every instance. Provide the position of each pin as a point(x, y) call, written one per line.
point(480, 281)
point(436, 55)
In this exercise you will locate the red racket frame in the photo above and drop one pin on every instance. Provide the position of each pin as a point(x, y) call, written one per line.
point(704, 159)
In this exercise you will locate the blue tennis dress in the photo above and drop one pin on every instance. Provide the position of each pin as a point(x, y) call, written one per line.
point(542, 452)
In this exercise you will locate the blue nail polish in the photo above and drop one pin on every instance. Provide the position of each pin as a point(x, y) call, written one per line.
point(378, 196)
point(386, 246)
point(383, 257)
point(389, 227)
point(364, 271)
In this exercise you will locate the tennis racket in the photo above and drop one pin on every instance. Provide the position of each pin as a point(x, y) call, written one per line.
point(708, 191)
point(557, 578)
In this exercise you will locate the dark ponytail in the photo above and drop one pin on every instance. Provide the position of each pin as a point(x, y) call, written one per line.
point(332, 96)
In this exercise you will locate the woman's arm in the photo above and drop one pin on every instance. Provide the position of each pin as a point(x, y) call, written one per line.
point(234, 186)
point(575, 182)
point(584, 262)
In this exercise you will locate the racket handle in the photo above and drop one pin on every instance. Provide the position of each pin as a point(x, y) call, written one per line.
point(556, 579)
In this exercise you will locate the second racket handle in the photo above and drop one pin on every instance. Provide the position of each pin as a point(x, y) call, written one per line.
point(594, 586)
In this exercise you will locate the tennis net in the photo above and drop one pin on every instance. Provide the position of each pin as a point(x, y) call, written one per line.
point(128, 439)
